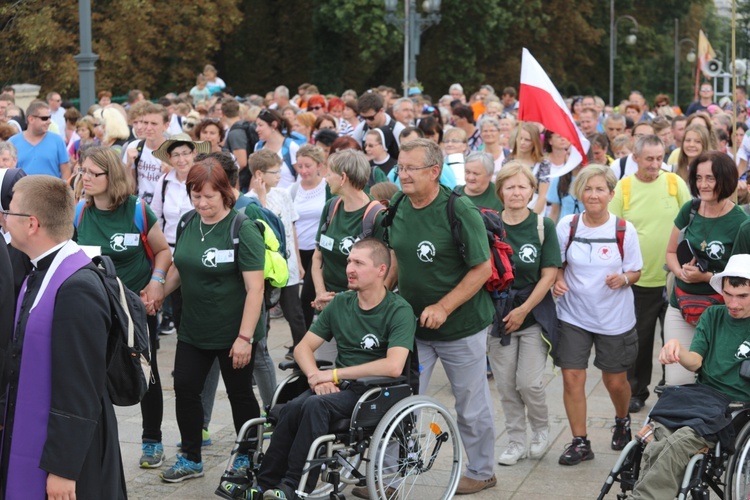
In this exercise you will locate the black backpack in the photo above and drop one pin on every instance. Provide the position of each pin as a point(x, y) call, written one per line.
point(128, 348)
point(252, 139)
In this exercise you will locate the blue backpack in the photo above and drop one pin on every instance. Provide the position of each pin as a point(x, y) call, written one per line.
point(255, 210)
point(285, 153)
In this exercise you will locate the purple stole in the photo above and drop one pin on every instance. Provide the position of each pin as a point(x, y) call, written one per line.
point(25, 479)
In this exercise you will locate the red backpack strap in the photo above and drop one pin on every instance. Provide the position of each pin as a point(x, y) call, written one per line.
point(331, 212)
point(620, 236)
point(368, 219)
point(573, 229)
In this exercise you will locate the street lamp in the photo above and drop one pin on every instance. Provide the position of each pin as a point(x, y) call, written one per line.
point(412, 24)
point(678, 54)
point(86, 59)
point(630, 40)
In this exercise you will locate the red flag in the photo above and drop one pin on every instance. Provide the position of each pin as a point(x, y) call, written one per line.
point(539, 101)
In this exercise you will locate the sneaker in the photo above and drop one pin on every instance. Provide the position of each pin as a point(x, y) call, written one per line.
point(636, 405)
point(289, 354)
point(512, 454)
point(152, 455)
point(182, 469)
point(467, 486)
point(621, 434)
point(205, 436)
point(578, 451)
point(167, 328)
point(282, 491)
point(241, 465)
point(539, 443)
point(276, 312)
point(230, 490)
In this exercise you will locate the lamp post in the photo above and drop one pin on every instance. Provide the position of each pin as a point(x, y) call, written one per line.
point(412, 24)
point(86, 59)
point(630, 40)
point(677, 55)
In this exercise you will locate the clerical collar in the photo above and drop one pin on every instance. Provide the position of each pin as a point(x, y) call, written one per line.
point(46, 258)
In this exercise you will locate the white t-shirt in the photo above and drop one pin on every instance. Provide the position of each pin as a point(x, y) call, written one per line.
point(743, 152)
point(309, 204)
point(631, 167)
point(280, 202)
point(148, 171)
point(176, 204)
point(589, 303)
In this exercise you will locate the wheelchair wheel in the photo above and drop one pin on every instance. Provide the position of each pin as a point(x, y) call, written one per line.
point(415, 452)
point(738, 468)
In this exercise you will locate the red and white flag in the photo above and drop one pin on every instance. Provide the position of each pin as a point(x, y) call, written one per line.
point(539, 101)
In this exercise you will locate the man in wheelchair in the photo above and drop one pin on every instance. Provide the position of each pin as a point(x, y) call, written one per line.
point(374, 329)
point(691, 418)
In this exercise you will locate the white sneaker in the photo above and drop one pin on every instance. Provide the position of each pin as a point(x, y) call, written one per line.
point(512, 454)
point(539, 443)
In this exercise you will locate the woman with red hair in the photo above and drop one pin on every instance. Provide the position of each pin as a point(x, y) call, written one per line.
point(317, 105)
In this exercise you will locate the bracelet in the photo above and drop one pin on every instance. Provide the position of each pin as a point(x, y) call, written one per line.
point(627, 281)
point(335, 376)
point(158, 279)
point(246, 339)
point(159, 271)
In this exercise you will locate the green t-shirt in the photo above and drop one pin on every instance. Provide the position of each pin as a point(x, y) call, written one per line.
point(652, 211)
point(430, 265)
point(338, 240)
point(724, 343)
point(213, 290)
point(364, 336)
point(115, 232)
point(488, 199)
point(718, 233)
point(531, 255)
point(379, 176)
point(742, 240)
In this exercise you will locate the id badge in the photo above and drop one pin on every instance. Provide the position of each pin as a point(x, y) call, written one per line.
point(132, 239)
point(326, 242)
point(223, 256)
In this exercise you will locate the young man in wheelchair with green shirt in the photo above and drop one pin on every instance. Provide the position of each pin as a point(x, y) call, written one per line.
point(690, 419)
point(374, 330)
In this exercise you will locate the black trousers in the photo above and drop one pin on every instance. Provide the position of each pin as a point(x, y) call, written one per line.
point(291, 306)
point(649, 306)
point(191, 366)
point(308, 288)
point(152, 404)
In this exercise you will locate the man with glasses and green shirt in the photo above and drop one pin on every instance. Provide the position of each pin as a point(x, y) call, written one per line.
point(40, 152)
point(373, 114)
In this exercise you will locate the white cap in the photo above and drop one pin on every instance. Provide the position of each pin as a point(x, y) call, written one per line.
point(738, 266)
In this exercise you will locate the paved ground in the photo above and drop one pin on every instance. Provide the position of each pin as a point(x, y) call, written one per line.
point(527, 480)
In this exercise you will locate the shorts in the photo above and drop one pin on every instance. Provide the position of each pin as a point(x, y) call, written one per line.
point(614, 353)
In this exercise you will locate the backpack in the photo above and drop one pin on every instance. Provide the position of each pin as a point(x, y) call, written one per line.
point(138, 148)
point(623, 161)
point(128, 348)
point(368, 219)
point(627, 183)
point(272, 220)
point(619, 238)
point(285, 151)
point(139, 217)
point(250, 134)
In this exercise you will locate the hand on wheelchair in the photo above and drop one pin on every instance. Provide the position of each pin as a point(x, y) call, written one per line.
point(326, 388)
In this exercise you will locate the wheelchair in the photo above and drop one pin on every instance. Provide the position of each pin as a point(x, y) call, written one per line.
point(725, 474)
point(397, 444)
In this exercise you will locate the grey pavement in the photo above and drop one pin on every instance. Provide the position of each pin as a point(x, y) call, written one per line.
point(527, 480)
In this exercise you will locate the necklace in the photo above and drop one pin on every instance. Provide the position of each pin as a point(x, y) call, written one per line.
point(200, 227)
point(710, 229)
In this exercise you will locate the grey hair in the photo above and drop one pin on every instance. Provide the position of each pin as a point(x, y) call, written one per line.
point(617, 117)
point(586, 174)
point(354, 164)
point(489, 120)
point(647, 140)
point(398, 103)
point(283, 91)
point(456, 86)
point(488, 87)
point(432, 153)
point(486, 159)
point(8, 146)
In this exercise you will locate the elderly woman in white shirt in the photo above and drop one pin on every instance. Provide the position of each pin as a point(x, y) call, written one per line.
point(601, 259)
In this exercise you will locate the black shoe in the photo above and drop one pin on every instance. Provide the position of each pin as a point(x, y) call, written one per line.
point(636, 405)
point(621, 434)
point(659, 389)
point(576, 452)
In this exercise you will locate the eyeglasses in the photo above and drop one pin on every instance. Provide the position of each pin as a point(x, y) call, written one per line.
point(43, 118)
point(454, 141)
point(272, 172)
point(175, 156)
point(400, 169)
point(6, 213)
point(369, 118)
point(315, 108)
point(706, 90)
point(83, 172)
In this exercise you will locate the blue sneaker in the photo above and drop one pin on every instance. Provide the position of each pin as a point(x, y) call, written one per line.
point(182, 469)
point(152, 455)
point(205, 436)
point(241, 465)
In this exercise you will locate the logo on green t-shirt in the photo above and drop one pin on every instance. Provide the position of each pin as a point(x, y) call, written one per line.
point(209, 257)
point(426, 251)
point(117, 242)
point(715, 250)
point(528, 253)
point(346, 245)
point(743, 351)
point(369, 342)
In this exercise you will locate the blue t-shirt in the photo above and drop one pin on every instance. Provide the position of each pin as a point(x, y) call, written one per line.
point(569, 205)
point(44, 158)
point(447, 177)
